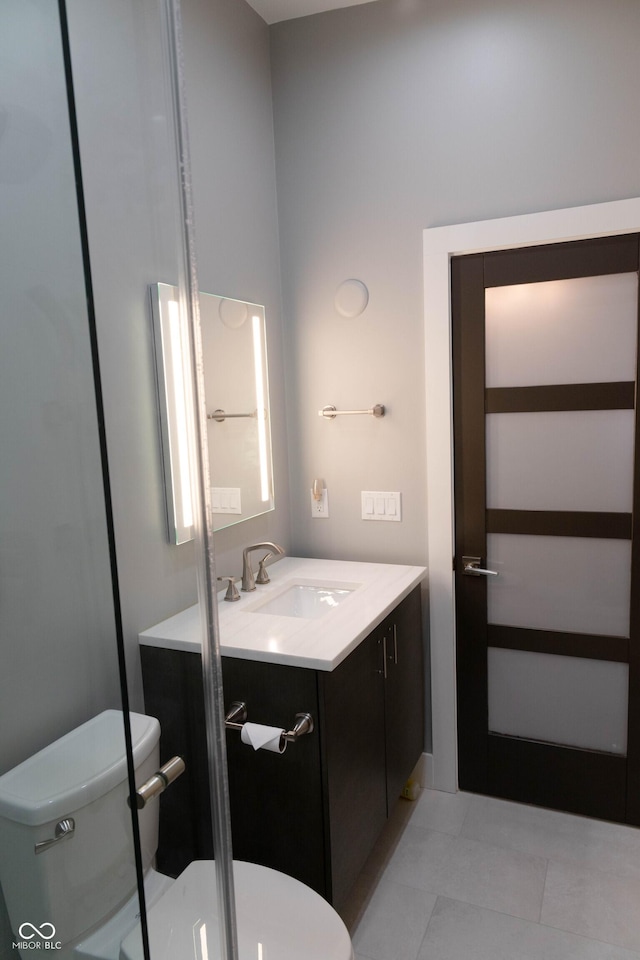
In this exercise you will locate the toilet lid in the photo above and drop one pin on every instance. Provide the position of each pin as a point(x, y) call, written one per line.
point(278, 917)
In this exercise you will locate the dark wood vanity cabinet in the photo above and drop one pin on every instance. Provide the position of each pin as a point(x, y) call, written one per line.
point(316, 810)
point(404, 694)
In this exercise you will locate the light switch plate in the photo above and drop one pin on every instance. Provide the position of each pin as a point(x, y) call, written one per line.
point(381, 505)
point(226, 500)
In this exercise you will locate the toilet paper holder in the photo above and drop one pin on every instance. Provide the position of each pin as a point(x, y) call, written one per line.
point(237, 715)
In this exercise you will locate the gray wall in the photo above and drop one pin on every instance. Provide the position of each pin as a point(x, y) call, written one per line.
point(130, 190)
point(56, 612)
point(391, 117)
point(234, 183)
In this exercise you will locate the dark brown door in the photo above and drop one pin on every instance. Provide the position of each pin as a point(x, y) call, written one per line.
point(546, 491)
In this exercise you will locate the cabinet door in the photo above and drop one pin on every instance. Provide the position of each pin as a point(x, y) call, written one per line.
point(404, 693)
point(173, 693)
point(276, 799)
point(354, 761)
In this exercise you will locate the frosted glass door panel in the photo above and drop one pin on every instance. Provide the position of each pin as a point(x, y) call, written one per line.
point(564, 700)
point(571, 584)
point(562, 331)
point(575, 460)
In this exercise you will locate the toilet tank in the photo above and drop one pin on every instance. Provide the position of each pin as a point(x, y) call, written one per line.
point(78, 882)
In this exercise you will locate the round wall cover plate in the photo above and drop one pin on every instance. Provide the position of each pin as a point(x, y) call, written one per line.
point(351, 299)
point(233, 313)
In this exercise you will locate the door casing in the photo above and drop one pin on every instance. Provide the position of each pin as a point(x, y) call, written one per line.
point(439, 245)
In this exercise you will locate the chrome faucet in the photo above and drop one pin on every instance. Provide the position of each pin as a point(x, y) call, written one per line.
point(248, 580)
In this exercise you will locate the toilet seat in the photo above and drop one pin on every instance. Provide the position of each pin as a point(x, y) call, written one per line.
point(288, 919)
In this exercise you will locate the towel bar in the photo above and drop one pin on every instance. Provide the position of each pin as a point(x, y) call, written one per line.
point(330, 413)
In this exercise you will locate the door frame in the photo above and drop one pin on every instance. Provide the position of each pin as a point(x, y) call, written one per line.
point(439, 245)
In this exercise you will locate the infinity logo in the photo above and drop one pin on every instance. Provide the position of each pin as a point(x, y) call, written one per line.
point(39, 931)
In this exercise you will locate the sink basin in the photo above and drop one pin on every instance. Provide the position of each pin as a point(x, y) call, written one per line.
point(306, 600)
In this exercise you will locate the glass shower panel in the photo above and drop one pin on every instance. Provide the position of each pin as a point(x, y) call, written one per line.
point(57, 620)
point(127, 69)
point(565, 700)
point(560, 331)
point(572, 584)
point(573, 460)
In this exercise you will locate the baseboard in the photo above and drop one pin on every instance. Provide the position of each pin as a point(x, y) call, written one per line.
point(423, 771)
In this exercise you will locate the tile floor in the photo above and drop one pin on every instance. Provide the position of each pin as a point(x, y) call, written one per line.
point(464, 877)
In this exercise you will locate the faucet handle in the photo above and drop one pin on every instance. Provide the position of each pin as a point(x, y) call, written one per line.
point(232, 590)
point(263, 576)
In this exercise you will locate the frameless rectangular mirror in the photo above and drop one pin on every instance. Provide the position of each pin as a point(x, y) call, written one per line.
point(237, 397)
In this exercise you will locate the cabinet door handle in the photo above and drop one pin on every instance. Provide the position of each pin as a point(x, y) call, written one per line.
point(384, 656)
point(395, 643)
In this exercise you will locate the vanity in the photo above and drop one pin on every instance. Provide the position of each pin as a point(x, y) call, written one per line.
point(339, 640)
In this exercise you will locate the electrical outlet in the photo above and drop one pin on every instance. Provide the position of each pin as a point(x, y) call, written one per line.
point(320, 508)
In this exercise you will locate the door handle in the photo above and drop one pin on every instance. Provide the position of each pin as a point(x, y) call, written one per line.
point(471, 567)
point(159, 782)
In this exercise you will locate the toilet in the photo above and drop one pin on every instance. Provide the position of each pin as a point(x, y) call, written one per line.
point(68, 874)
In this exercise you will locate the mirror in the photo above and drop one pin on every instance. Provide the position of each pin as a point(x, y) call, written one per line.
point(237, 396)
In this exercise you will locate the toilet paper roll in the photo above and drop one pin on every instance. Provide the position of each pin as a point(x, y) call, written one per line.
point(261, 737)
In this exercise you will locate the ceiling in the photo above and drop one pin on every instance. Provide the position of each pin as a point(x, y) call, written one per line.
point(272, 11)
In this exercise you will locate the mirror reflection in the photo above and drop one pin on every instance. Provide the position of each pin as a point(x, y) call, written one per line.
point(237, 391)
point(237, 400)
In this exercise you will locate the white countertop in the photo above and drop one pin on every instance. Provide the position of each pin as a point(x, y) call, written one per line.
point(320, 643)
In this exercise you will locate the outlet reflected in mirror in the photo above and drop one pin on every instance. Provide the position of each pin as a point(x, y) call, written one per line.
point(237, 398)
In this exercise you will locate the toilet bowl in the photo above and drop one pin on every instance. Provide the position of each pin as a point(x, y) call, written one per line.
point(68, 866)
point(278, 918)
